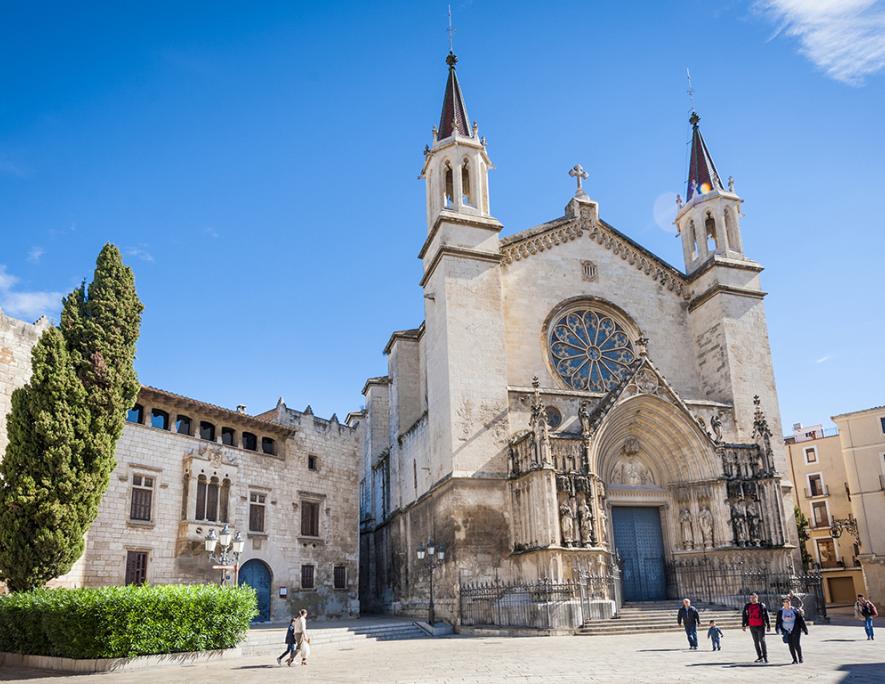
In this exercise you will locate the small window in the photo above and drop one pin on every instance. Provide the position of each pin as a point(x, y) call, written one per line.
point(257, 503)
point(821, 518)
point(449, 193)
point(141, 498)
point(816, 485)
point(415, 475)
point(207, 431)
point(268, 446)
point(135, 414)
point(340, 577)
point(250, 441)
point(310, 519)
point(228, 436)
point(183, 425)
point(307, 577)
point(882, 421)
point(136, 567)
point(554, 417)
point(200, 513)
point(159, 419)
point(465, 183)
point(224, 498)
point(312, 463)
point(811, 455)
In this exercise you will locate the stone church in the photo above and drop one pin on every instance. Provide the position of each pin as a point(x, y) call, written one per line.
point(571, 400)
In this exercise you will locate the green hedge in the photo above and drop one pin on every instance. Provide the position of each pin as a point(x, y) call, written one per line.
point(116, 622)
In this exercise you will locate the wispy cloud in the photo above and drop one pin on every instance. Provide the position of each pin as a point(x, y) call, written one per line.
point(29, 305)
point(10, 168)
point(211, 232)
point(35, 253)
point(843, 38)
point(824, 358)
point(140, 252)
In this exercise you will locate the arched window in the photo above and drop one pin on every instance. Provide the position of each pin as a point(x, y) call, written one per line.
point(212, 499)
point(185, 486)
point(710, 234)
point(449, 191)
point(731, 230)
point(207, 431)
point(135, 414)
point(200, 513)
point(267, 445)
point(159, 419)
point(693, 239)
point(225, 497)
point(465, 183)
point(250, 441)
point(228, 436)
point(182, 425)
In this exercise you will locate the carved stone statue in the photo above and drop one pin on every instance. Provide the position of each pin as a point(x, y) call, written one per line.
point(603, 525)
point(739, 521)
point(586, 523)
point(705, 522)
point(754, 523)
point(729, 463)
point(567, 525)
point(679, 202)
point(687, 533)
point(731, 183)
point(584, 417)
point(716, 424)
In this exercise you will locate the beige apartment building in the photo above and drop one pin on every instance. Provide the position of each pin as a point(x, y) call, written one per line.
point(819, 475)
point(862, 437)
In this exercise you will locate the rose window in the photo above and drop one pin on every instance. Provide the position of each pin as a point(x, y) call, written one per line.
point(590, 351)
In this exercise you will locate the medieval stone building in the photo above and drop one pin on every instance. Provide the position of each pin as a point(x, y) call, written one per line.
point(571, 400)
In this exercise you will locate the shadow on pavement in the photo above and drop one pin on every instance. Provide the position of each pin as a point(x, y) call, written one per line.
point(862, 672)
point(659, 650)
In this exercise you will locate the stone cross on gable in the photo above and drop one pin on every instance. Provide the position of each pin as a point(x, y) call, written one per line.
point(579, 175)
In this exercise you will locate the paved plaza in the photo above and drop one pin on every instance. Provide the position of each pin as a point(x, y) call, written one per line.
point(833, 654)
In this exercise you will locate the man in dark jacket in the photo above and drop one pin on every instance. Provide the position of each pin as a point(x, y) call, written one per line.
point(755, 617)
point(689, 618)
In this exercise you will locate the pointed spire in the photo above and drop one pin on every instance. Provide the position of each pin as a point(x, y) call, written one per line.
point(454, 114)
point(702, 174)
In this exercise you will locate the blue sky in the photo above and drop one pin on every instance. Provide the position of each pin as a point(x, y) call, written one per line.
point(257, 164)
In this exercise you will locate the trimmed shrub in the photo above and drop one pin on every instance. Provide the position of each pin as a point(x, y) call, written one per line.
point(119, 622)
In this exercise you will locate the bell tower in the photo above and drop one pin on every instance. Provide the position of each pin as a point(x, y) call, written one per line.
point(709, 220)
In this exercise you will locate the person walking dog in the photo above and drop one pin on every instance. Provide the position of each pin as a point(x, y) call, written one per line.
point(755, 616)
point(866, 611)
point(790, 624)
point(290, 644)
point(689, 618)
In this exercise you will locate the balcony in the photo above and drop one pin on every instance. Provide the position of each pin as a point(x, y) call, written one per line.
point(817, 491)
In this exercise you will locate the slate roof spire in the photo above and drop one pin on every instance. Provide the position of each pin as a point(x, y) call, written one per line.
point(702, 174)
point(454, 113)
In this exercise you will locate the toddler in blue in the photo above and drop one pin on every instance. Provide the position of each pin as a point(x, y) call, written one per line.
point(714, 634)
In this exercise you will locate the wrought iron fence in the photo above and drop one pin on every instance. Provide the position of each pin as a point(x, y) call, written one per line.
point(541, 604)
point(729, 587)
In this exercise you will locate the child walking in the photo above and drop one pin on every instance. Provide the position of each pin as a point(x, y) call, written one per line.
point(714, 634)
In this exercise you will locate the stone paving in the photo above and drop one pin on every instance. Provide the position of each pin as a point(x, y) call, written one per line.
point(833, 653)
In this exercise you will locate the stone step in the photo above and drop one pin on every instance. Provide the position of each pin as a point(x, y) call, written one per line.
point(595, 629)
point(271, 641)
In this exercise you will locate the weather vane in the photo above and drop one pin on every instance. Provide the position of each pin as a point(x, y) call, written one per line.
point(690, 89)
point(451, 31)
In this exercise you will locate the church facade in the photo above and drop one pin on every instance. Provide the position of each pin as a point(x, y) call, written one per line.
point(571, 401)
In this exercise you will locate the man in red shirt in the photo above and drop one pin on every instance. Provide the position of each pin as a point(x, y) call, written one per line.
point(755, 617)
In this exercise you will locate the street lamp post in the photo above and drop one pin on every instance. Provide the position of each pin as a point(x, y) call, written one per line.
point(848, 524)
point(224, 550)
point(433, 556)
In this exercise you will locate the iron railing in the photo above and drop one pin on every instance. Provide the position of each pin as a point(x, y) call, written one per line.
point(542, 604)
point(730, 587)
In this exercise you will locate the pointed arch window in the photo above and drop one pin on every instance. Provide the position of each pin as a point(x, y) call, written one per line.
point(731, 230)
point(466, 193)
point(693, 239)
point(449, 190)
point(710, 238)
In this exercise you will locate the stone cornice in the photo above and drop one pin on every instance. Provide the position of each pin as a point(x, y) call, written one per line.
point(534, 241)
point(461, 253)
point(718, 288)
point(481, 222)
point(412, 334)
point(716, 260)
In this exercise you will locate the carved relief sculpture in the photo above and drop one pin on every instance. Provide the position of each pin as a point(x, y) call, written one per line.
point(754, 525)
point(716, 424)
point(567, 525)
point(705, 521)
point(584, 417)
point(685, 524)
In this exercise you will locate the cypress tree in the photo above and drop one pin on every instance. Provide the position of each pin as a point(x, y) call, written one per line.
point(64, 426)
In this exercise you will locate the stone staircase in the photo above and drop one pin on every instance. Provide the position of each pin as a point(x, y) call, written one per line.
point(660, 616)
point(269, 639)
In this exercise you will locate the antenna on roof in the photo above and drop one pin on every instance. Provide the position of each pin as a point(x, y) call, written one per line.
point(690, 89)
point(451, 31)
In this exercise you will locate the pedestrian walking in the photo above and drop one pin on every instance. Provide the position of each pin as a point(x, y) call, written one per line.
point(866, 611)
point(290, 644)
point(689, 618)
point(755, 616)
point(302, 639)
point(790, 624)
point(715, 634)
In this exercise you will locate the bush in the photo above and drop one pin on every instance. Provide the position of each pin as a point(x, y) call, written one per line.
point(117, 622)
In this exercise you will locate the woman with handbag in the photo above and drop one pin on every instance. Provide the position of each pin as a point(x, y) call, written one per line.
point(790, 624)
